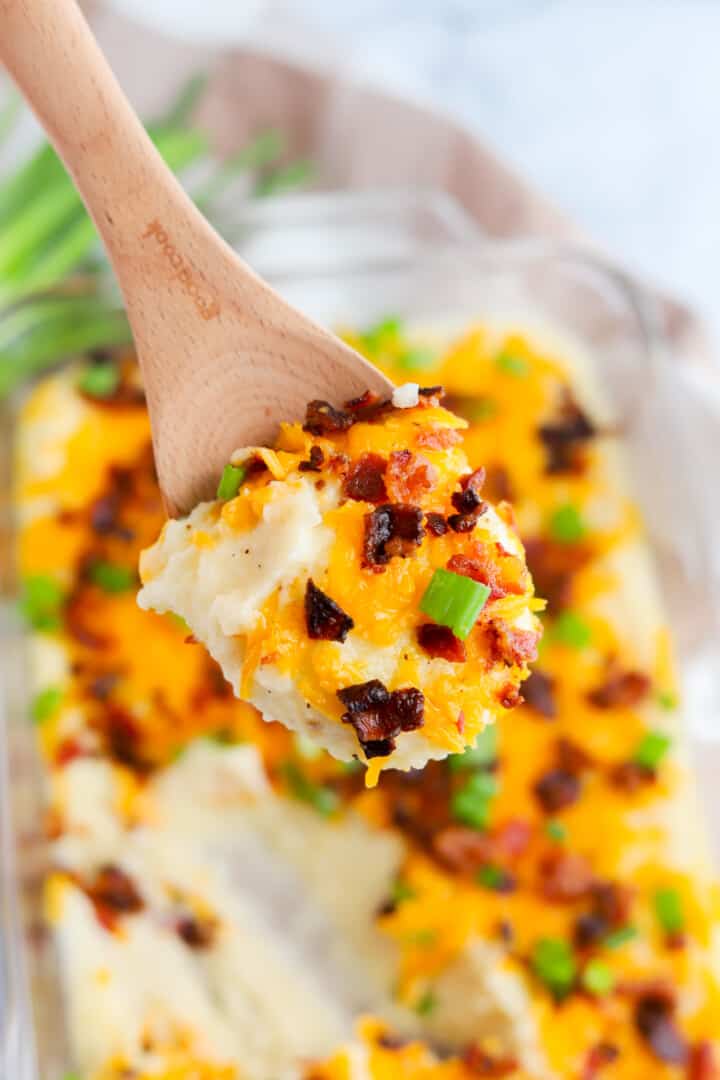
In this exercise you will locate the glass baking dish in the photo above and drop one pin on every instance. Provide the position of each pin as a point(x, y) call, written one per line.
point(431, 268)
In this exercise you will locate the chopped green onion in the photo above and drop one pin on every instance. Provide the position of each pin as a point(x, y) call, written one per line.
point(290, 176)
point(490, 877)
point(598, 979)
point(554, 964)
point(511, 364)
point(58, 328)
point(382, 333)
point(418, 359)
point(479, 756)
point(224, 737)
point(669, 910)
point(401, 891)
point(230, 481)
point(454, 600)
point(350, 767)
point(666, 699)
point(46, 703)
point(185, 101)
point(477, 410)
point(426, 1004)
point(566, 525)
point(322, 799)
point(651, 749)
point(471, 804)
point(423, 939)
point(111, 577)
point(572, 630)
point(100, 380)
point(259, 153)
point(556, 831)
point(41, 602)
point(620, 937)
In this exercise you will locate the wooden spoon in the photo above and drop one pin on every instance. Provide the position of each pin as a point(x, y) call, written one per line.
point(224, 358)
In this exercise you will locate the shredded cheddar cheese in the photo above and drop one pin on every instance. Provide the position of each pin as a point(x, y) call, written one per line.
point(564, 848)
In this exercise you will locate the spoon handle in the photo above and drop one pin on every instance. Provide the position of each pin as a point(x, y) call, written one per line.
point(52, 55)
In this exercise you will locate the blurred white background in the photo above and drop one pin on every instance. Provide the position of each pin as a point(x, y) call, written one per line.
point(609, 106)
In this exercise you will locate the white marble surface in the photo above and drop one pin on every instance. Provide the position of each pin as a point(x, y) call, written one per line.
point(609, 106)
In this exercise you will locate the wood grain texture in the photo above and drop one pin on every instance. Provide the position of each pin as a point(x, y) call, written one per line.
point(224, 358)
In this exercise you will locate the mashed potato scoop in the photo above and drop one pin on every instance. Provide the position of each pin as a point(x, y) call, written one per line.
point(354, 584)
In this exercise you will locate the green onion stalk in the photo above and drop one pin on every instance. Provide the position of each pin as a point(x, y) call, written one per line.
point(57, 296)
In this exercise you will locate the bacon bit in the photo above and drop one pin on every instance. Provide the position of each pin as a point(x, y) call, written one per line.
point(556, 789)
point(338, 464)
point(676, 940)
point(614, 902)
point(123, 738)
point(564, 439)
point(468, 503)
point(432, 395)
point(460, 723)
point(104, 516)
point(439, 641)
point(635, 989)
point(483, 1064)
point(621, 688)
point(392, 529)
point(630, 776)
point(610, 910)
point(102, 687)
point(654, 1019)
point(489, 571)
point(436, 524)
point(325, 620)
point(497, 484)
point(114, 893)
point(511, 645)
point(321, 418)
point(439, 438)
point(315, 460)
point(510, 696)
point(68, 750)
point(565, 876)
point(602, 1054)
point(505, 932)
point(409, 476)
point(379, 716)
point(197, 933)
point(467, 500)
point(702, 1064)
point(190, 639)
point(390, 1041)
point(513, 837)
point(368, 407)
point(553, 567)
point(464, 523)
point(463, 850)
point(365, 482)
point(590, 928)
point(571, 757)
point(364, 401)
point(419, 800)
point(76, 613)
point(538, 691)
